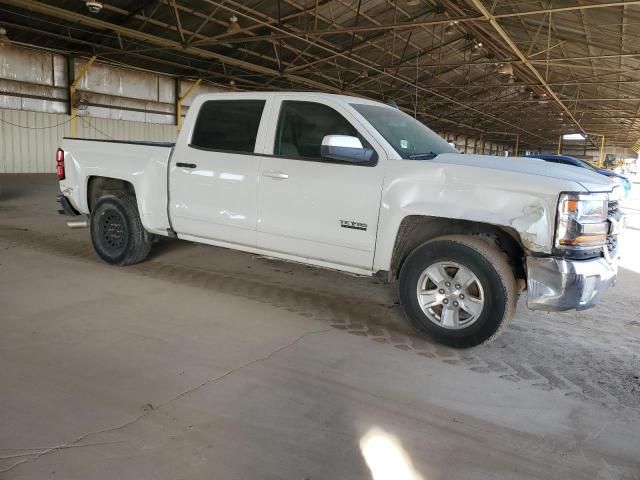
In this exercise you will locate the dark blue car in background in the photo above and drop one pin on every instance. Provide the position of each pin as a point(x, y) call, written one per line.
point(567, 160)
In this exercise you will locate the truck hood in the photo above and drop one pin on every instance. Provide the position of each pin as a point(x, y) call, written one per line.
point(590, 181)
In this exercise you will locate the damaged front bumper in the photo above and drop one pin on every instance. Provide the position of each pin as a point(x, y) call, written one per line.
point(556, 284)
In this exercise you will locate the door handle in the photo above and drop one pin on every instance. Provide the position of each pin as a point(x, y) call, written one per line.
point(276, 175)
point(186, 165)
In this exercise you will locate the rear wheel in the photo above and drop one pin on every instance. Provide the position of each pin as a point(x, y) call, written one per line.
point(458, 290)
point(116, 230)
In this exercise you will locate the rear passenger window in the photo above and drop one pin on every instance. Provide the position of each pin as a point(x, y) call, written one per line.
point(228, 125)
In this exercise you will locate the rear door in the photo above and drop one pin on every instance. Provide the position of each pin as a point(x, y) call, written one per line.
point(322, 210)
point(213, 172)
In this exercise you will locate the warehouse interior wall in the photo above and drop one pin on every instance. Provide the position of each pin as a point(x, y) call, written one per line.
point(29, 140)
point(111, 102)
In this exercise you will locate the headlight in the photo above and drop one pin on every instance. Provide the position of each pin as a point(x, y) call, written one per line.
point(582, 221)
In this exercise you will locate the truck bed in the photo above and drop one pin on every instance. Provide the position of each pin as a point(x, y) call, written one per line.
point(141, 164)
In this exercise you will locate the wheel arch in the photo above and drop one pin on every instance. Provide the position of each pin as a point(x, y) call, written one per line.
point(415, 230)
point(98, 186)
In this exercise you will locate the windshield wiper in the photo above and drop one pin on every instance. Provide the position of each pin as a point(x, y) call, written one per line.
point(422, 156)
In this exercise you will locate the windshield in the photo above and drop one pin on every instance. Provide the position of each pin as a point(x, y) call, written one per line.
point(410, 138)
point(586, 164)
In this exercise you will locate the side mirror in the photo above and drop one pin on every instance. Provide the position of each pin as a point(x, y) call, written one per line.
point(345, 149)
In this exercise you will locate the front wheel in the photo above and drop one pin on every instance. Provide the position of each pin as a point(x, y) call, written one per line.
point(116, 230)
point(458, 289)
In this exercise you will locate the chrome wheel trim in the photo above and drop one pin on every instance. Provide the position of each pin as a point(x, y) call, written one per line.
point(450, 295)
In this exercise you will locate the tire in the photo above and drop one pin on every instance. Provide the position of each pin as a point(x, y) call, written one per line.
point(481, 284)
point(117, 233)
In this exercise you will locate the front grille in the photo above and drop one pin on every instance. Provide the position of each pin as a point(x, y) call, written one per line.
point(612, 243)
point(613, 213)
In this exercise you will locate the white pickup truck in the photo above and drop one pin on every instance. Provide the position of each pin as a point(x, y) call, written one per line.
point(357, 186)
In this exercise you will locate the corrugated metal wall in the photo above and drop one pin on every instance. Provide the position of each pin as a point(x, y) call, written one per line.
point(32, 149)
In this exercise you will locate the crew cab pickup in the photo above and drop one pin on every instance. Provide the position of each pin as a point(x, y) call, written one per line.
point(358, 186)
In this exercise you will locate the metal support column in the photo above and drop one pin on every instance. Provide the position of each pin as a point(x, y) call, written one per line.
point(73, 101)
point(180, 98)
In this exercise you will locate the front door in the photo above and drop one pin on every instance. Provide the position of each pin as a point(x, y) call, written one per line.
point(310, 207)
point(213, 176)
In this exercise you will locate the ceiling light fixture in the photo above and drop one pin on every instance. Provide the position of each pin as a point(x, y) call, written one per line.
point(505, 69)
point(449, 29)
point(573, 136)
point(4, 40)
point(94, 7)
point(233, 27)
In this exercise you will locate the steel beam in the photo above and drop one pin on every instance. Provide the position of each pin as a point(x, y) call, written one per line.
point(369, 67)
point(61, 13)
point(412, 25)
point(492, 19)
point(180, 98)
point(72, 94)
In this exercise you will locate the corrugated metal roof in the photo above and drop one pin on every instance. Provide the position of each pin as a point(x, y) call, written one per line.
point(573, 66)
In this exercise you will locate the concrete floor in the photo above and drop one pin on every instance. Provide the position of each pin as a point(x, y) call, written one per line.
point(206, 363)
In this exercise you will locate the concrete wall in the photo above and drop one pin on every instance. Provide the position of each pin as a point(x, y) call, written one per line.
point(28, 140)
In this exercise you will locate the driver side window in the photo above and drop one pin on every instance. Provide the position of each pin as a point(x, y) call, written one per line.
point(303, 125)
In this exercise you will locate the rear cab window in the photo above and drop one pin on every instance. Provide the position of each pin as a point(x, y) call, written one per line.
point(228, 125)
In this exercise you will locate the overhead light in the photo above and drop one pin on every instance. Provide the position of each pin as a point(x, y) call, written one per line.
point(4, 40)
point(505, 69)
point(83, 106)
point(94, 7)
point(449, 29)
point(573, 136)
point(233, 25)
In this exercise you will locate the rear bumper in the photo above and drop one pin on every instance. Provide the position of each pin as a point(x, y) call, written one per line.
point(67, 208)
point(556, 284)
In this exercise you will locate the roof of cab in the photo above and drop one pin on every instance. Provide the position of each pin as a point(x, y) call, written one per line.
point(302, 94)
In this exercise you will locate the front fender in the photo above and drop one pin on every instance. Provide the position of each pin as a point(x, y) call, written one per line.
point(524, 203)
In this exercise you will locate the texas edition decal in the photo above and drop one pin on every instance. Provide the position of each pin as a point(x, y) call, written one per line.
point(353, 225)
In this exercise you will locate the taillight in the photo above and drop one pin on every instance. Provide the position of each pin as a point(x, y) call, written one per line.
point(60, 164)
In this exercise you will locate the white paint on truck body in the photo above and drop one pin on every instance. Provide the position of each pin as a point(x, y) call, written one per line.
point(243, 201)
point(144, 166)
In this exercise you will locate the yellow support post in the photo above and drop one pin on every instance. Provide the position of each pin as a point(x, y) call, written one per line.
point(559, 144)
point(517, 145)
point(601, 159)
point(179, 102)
point(72, 93)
